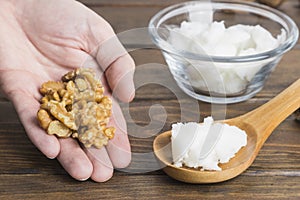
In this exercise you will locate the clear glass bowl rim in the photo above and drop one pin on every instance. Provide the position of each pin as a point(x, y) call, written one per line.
point(292, 33)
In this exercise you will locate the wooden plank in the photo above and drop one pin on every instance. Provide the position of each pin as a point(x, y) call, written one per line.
point(8, 113)
point(126, 18)
point(150, 187)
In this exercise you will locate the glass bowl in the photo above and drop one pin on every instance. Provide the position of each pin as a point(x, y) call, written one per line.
point(221, 78)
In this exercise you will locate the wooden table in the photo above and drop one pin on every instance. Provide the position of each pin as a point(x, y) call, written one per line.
point(26, 174)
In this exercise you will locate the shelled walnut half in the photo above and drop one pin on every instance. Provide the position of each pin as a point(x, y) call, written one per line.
point(77, 107)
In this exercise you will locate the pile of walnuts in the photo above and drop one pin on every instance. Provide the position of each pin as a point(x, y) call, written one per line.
point(76, 107)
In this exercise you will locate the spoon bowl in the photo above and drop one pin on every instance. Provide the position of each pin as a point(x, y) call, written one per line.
point(258, 124)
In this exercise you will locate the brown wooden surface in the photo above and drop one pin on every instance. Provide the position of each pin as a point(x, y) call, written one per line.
point(26, 174)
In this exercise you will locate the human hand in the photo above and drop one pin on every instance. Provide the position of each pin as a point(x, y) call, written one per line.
point(41, 41)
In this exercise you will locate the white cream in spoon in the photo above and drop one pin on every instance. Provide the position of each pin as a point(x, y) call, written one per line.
point(188, 144)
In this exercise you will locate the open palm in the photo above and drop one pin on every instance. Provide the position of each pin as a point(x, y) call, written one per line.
point(41, 41)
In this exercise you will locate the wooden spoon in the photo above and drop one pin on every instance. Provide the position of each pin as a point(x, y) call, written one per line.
point(258, 125)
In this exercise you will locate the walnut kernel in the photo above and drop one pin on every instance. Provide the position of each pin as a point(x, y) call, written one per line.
point(59, 129)
point(77, 107)
point(44, 118)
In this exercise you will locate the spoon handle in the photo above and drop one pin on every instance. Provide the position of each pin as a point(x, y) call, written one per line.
point(267, 117)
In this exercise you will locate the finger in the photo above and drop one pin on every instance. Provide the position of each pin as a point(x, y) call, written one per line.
point(119, 147)
point(117, 76)
point(102, 166)
point(120, 78)
point(27, 107)
point(109, 49)
point(112, 57)
point(74, 160)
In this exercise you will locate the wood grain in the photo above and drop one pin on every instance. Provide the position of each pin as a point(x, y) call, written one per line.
point(147, 186)
point(275, 174)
